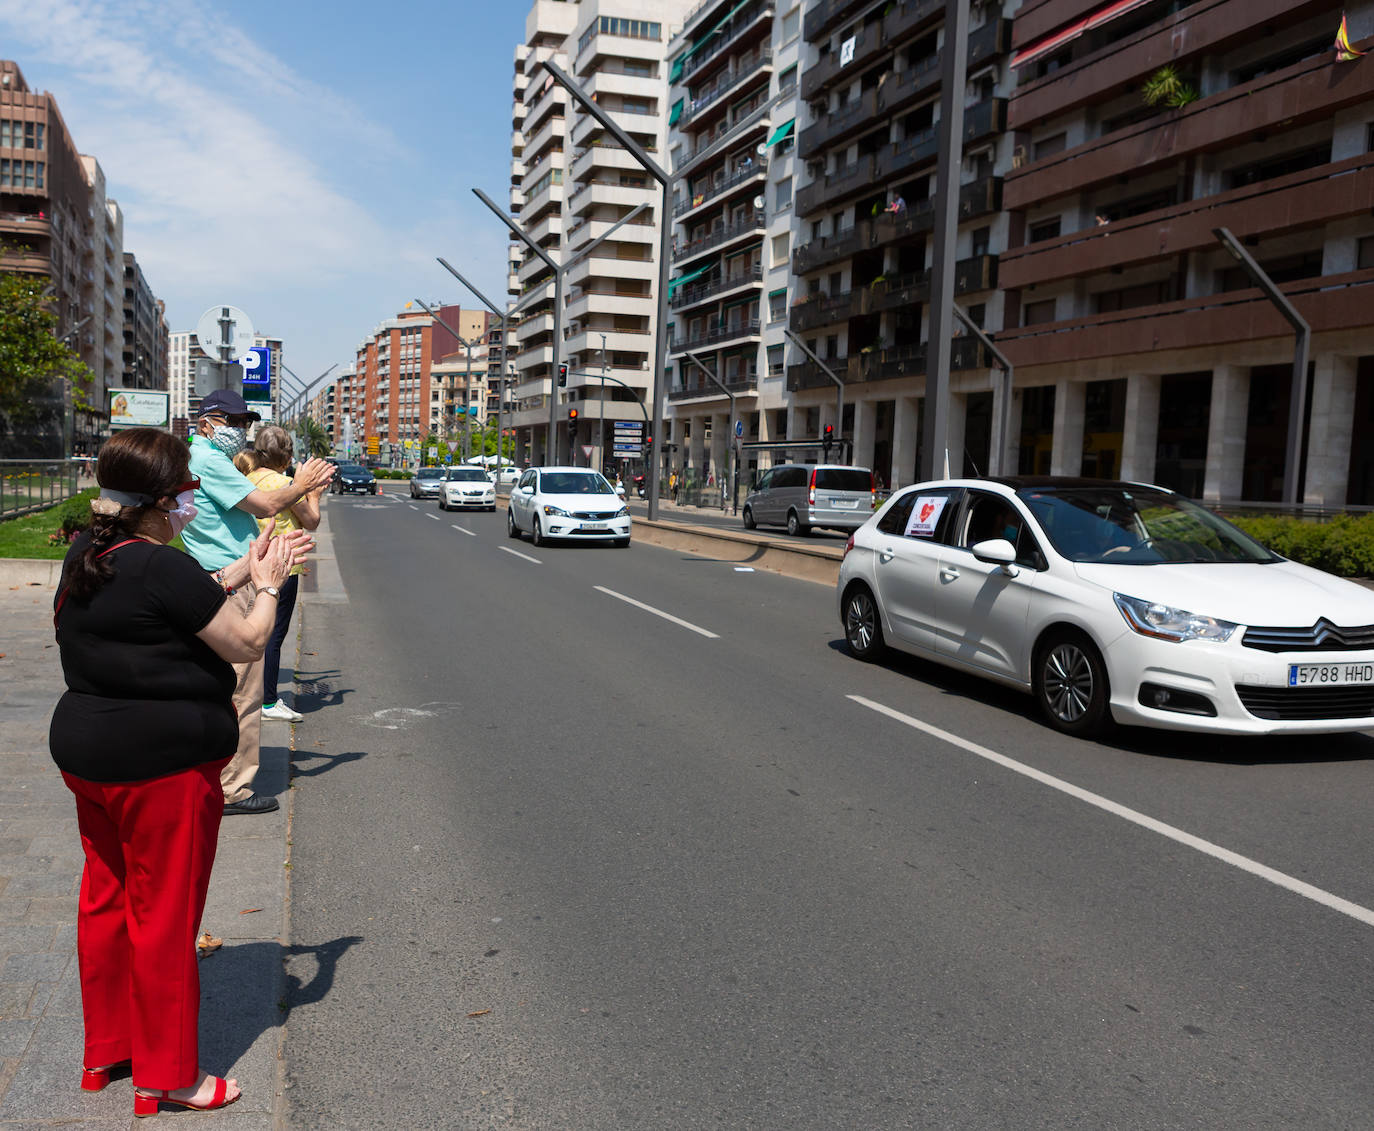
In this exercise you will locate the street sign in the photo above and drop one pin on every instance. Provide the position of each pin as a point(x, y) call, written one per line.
point(433, 452)
point(629, 426)
point(739, 428)
point(225, 328)
point(626, 449)
point(587, 450)
point(257, 374)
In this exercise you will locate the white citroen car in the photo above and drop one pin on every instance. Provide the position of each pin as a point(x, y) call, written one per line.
point(466, 487)
point(567, 502)
point(1110, 602)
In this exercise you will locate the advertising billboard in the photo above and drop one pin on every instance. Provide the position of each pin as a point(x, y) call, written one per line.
point(139, 408)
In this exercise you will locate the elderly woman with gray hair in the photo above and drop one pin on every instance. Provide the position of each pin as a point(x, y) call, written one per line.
point(272, 450)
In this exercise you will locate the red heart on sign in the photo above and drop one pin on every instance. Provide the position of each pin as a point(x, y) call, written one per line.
point(926, 511)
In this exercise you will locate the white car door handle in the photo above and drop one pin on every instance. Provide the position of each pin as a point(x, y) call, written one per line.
point(885, 555)
point(949, 573)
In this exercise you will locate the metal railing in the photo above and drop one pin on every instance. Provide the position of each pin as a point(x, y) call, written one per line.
point(34, 485)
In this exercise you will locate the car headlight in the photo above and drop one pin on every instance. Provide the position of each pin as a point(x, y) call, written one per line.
point(1166, 623)
point(623, 512)
point(558, 511)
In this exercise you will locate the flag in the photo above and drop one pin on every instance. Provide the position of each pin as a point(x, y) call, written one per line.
point(1344, 52)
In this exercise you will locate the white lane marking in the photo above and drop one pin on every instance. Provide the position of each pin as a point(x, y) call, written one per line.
point(656, 612)
point(465, 530)
point(435, 517)
point(518, 554)
point(1225, 855)
point(413, 507)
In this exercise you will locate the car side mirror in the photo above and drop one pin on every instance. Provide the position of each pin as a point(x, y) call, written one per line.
point(996, 551)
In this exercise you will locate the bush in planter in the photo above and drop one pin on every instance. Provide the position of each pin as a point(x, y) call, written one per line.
point(74, 515)
point(1343, 546)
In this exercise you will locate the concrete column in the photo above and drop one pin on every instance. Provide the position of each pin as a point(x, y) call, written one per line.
point(1066, 451)
point(1328, 438)
point(1142, 428)
point(865, 417)
point(1226, 433)
point(904, 441)
point(954, 433)
point(796, 421)
point(1013, 444)
point(697, 446)
point(720, 444)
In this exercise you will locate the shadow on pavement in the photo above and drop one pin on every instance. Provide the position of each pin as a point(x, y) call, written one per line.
point(326, 961)
point(328, 761)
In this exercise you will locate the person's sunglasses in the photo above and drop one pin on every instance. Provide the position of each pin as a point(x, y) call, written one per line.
point(192, 484)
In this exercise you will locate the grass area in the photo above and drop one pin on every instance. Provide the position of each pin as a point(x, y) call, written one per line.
point(27, 536)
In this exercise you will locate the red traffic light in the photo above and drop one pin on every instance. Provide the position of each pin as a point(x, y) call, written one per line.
point(572, 414)
point(829, 431)
point(562, 374)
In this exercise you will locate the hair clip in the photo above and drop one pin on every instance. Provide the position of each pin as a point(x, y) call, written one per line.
point(106, 507)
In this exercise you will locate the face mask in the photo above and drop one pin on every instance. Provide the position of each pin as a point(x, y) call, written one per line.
point(230, 441)
point(183, 514)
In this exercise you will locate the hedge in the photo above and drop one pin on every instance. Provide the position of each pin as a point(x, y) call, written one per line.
point(1344, 545)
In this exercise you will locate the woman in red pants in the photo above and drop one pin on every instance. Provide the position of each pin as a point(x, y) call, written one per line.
point(146, 639)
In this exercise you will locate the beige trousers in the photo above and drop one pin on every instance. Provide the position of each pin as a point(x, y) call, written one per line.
point(237, 777)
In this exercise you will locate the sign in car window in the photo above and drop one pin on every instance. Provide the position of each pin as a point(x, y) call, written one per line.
point(925, 516)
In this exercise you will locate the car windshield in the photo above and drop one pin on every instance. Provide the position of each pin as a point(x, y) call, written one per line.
point(844, 479)
point(430, 473)
point(574, 483)
point(1126, 525)
point(351, 469)
point(468, 475)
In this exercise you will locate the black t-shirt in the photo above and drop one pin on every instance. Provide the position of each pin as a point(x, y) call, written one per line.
point(145, 696)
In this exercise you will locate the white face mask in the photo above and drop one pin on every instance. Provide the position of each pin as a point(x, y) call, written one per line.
point(229, 440)
point(185, 511)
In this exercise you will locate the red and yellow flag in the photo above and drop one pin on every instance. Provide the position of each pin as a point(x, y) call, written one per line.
point(1344, 52)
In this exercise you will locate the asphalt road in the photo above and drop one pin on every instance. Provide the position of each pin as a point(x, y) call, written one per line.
point(560, 862)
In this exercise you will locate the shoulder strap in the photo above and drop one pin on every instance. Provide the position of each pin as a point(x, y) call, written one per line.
point(62, 597)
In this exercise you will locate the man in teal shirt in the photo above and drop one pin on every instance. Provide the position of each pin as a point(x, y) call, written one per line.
point(227, 507)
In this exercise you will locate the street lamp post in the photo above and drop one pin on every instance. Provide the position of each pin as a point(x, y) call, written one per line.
point(730, 435)
point(999, 454)
point(502, 320)
point(1297, 399)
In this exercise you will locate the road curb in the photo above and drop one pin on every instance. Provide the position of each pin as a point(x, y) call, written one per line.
point(820, 564)
point(30, 571)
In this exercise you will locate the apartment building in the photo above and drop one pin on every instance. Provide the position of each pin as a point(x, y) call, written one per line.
point(1142, 347)
point(733, 108)
point(871, 84)
point(145, 346)
point(572, 183)
point(183, 350)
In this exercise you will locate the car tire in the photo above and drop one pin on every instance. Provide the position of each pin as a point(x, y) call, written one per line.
point(1070, 682)
point(863, 626)
point(512, 530)
point(795, 526)
point(443, 504)
point(537, 533)
point(749, 523)
point(622, 543)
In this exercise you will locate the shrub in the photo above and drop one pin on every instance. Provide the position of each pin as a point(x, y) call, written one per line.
point(1343, 546)
point(74, 515)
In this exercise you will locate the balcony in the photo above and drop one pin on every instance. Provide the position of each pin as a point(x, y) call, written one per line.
point(724, 38)
point(907, 86)
point(988, 41)
point(696, 109)
point(749, 225)
point(841, 124)
point(745, 384)
point(826, 310)
point(977, 273)
point(830, 249)
point(868, 44)
point(824, 15)
point(907, 155)
point(909, 17)
point(849, 181)
point(693, 293)
point(986, 118)
point(723, 140)
point(1303, 93)
point(751, 172)
point(888, 364)
point(719, 336)
point(1309, 199)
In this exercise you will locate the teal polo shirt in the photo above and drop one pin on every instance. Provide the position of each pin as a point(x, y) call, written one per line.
point(220, 532)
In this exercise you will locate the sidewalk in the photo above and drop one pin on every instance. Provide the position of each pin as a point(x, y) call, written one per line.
point(242, 984)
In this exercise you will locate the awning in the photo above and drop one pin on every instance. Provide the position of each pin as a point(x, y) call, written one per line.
point(718, 25)
point(1051, 43)
point(675, 113)
point(676, 72)
point(782, 132)
point(673, 284)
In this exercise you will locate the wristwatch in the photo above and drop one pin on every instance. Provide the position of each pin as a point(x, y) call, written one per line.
point(272, 589)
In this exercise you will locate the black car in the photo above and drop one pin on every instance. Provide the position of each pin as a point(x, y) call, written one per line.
point(353, 477)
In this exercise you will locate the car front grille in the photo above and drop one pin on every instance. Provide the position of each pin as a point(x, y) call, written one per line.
point(1298, 704)
point(1321, 637)
point(594, 516)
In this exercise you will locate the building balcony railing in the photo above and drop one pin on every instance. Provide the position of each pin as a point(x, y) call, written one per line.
point(910, 16)
point(885, 364)
point(818, 78)
point(989, 41)
point(986, 118)
point(830, 249)
point(718, 335)
point(824, 15)
point(693, 293)
point(751, 172)
point(834, 186)
point(840, 124)
point(723, 38)
point(907, 86)
point(743, 69)
point(907, 155)
point(825, 310)
point(744, 384)
point(747, 226)
point(723, 140)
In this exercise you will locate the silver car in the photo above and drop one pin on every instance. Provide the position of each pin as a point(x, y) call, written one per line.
point(424, 484)
point(800, 496)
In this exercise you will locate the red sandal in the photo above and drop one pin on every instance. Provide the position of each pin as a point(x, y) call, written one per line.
point(145, 1104)
point(97, 1079)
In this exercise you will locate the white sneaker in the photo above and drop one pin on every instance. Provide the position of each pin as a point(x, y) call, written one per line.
point(281, 712)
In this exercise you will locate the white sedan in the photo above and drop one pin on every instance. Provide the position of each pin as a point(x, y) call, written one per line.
point(466, 487)
point(1110, 602)
point(567, 502)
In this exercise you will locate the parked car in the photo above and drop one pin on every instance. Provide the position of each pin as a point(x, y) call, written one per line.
point(466, 487)
point(504, 476)
point(424, 484)
point(353, 477)
point(800, 496)
point(1110, 602)
point(567, 502)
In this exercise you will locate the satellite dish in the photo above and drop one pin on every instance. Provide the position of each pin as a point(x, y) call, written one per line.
point(759, 202)
point(761, 149)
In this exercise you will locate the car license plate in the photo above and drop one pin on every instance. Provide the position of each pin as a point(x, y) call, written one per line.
point(1316, 675)
point(595, 526)
point(847, 504)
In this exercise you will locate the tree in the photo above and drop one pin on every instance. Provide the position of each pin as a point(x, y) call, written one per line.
point(33, 364)
point(312, 438)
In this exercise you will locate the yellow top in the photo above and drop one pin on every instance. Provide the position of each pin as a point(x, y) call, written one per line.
point(265, 479)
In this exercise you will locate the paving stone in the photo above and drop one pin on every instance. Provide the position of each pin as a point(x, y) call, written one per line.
point(47, 909)
point(27, 938)
point(15, 999)
point(15, 1034)
point(34, 967)
point(43, 884)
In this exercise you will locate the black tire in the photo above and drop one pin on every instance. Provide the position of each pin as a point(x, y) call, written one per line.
point(749, 523)
point(536, 533)
point(512, 530)
point(863, 627)
point(1070, 682)
point(623, 543)
point(795, 526)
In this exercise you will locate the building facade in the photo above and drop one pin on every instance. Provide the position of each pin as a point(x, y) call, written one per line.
point(145, 346)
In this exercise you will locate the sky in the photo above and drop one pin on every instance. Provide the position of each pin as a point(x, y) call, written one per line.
point(303, 162)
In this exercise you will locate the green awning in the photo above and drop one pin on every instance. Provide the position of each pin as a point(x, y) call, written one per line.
point(718, 25)
point(675, 113)
point(782, 132)
point(673, 284)
point(676, 72)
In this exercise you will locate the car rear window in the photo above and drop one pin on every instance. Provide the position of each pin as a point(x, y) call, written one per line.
point(430, 473)
point(843, 479)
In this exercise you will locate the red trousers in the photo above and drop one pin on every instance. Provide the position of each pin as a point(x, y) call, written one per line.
point(149, 849)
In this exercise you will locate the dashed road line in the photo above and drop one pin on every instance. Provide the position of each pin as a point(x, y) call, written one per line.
point(657, 612)
point(518, 554)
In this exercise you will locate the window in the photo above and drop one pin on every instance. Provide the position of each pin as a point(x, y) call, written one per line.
point(1038, 312)
point(791, 23)
point(781, 249)
point(1044, 230)
point(981, 239)
point(788, 79)
point(5, 135)
point(1048, 147)
point(777, 303)
point(782, 194)
point(1365, 258)
point(775, 361)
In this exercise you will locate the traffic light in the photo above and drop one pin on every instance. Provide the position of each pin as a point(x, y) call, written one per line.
point(572, 416)
point(563, 377)
point(828, 438)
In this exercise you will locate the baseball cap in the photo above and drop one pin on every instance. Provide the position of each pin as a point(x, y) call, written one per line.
point(228, 402)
